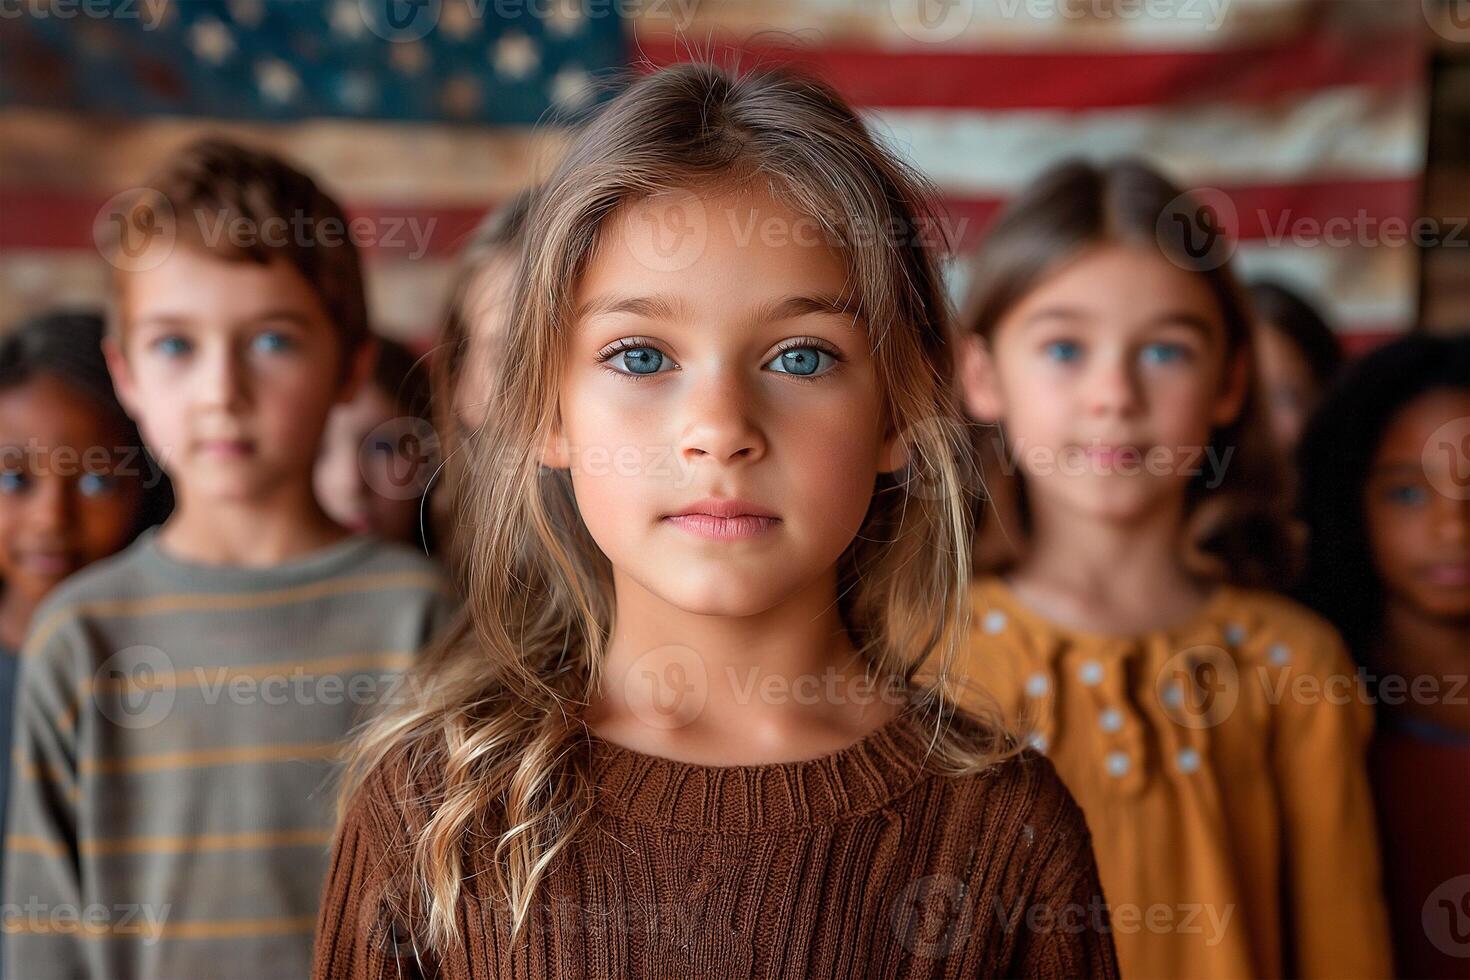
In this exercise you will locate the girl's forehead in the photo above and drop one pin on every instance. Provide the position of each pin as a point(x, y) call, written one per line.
point(1120, 285)
point(1413, 427)
point(697, 247)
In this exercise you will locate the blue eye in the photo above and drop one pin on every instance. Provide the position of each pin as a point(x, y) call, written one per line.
point(1162, 353)
point(639, 360)
point(1406, 496)
point(272, 341)
point(171, 346)
point(802, 361)
point(96, 484)
point(13, 481)
point(1064, 351)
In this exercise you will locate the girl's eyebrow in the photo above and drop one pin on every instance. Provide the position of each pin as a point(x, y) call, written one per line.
point(279, 316)
point(1179, 318)
point(1055, 313)
point(647, 307)
point(165, 320)
point(1169, 318)
point(1397, 468)
point(792, 307)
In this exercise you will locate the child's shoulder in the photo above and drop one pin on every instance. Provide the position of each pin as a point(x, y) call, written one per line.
point(380, 557)
point(1017, 787)
point(121, 577)
point(1262, 624)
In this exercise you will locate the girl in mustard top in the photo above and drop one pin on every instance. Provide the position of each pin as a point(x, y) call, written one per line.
point(1213, 733)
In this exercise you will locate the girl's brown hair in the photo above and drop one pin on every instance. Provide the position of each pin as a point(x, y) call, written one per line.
point(495, 732)
point(214, 187)
point(1236, 531)
point(498, 238)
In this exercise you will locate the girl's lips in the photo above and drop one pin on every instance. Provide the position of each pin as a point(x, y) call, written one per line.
point(226, 448)
point(1452, 574)
point(723, 528)
point(1113, 455)
point(48, 564)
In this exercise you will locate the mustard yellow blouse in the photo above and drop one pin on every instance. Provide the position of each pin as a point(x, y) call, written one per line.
point(1221, 769)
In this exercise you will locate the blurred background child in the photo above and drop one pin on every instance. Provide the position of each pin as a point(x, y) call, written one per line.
point(182, 702)
point(1297, 357)
point(1386, 497)
point(462, 362)
point(475, 319)
point(379, 452)
point(1133, 515)
point(76, 483)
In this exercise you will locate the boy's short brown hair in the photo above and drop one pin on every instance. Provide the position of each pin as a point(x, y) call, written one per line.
point(246, 205)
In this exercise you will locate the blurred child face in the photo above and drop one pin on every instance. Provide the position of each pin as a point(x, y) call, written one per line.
point(230, 369)
point(1287, 385)
point(487, 310)
point(69, 487)
point(1419, 534)
point(1108, 377)
point(357, 462)
point(732, 381)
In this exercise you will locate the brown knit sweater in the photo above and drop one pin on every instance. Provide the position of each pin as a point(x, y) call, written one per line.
point(865, 863)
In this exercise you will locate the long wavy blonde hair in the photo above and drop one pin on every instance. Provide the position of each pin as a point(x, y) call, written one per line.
point(495, 726)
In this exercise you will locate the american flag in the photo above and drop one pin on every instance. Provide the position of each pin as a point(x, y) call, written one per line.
point(1304, 119)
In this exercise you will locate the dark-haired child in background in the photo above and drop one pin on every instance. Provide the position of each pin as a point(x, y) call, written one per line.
point(1297, 357)
point(75, 483)
point(379, 452)
point(1386, 497)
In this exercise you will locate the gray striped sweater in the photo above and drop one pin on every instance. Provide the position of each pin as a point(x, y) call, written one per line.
point(175, 738)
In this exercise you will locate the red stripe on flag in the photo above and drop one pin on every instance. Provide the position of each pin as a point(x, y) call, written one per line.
point(1078, 80)
point(1275, 213)
point(51, 219)
point(1361, 340)
point(42, 219)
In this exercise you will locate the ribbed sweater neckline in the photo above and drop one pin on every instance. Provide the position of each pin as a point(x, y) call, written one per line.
point(863, 777)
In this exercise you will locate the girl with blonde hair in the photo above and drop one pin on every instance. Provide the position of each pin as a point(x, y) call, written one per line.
point(719, 518)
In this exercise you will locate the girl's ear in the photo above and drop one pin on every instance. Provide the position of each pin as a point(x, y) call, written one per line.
point(358, 370)
point(554, 452)
point(979, 385)
point(122, 374)
point(1233, 392)
point(894, 455)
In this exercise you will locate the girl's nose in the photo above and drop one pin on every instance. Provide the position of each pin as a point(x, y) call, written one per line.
point(720, 424)
point(50, 505)
point(1112, 387)
point(222, 382)
point(1452, 518)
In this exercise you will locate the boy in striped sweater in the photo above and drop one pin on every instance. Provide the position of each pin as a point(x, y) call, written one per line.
point(181, 704)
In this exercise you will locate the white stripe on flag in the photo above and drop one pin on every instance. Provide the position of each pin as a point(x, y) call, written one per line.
point(1347, 133)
